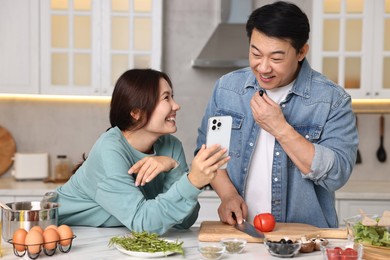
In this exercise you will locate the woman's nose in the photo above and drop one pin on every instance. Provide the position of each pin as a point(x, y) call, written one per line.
point(175, 106)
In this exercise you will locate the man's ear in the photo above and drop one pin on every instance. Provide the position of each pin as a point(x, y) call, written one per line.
point(303, 51)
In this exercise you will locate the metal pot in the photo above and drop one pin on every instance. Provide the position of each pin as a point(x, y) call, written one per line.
point(27, 214)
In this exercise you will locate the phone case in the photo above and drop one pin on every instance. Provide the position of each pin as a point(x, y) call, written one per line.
point(218, 132)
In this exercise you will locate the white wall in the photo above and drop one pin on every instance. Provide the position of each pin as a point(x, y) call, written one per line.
point(71, 128)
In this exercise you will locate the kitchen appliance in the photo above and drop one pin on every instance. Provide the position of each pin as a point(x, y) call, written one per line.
point(31, 166)
point(27, 214)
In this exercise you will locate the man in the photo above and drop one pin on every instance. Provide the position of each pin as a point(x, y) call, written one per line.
point(294, 139)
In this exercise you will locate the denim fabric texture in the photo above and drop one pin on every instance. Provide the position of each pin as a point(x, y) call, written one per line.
point(320, 111)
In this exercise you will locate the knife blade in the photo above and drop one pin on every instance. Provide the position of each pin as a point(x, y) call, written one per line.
point(249, 229)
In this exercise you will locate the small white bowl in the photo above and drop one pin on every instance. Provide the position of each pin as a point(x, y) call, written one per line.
point(212, 251)
point(234, 245)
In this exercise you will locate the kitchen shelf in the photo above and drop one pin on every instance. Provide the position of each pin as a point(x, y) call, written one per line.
point(371, 106)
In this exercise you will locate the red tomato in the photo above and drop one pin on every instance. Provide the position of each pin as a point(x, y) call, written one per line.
point(349, 254)
point(350, 251)
point(265, 222)
point(333, 253)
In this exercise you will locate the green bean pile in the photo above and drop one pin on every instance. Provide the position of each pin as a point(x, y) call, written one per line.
point(145, 242)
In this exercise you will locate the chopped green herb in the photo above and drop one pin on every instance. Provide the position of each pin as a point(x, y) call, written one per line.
point(373, 235)
point(145, 242)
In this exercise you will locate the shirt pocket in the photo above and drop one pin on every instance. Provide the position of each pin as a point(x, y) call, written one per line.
point(311, 133)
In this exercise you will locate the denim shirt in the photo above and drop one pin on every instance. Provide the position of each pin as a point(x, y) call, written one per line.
point(316, 108)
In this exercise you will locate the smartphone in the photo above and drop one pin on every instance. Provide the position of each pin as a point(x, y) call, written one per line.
point(219, 129)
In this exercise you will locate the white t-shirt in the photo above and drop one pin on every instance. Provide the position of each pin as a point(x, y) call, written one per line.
point(258, 191)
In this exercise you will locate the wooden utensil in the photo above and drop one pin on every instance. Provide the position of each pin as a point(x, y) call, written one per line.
point(376, 253)
point(381, 153)
point(7, 150)
point(211, 231)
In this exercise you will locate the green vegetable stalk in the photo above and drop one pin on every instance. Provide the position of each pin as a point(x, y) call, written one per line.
point(145, 242)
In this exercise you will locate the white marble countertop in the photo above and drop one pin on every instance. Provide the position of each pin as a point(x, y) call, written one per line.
point(92, 243)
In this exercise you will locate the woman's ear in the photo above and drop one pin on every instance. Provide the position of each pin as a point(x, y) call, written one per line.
point(136, 114)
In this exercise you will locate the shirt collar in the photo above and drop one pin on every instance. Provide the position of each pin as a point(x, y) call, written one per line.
point(301, 85)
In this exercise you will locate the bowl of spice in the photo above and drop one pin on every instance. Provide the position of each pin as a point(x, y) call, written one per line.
point(234, 245)
point(211, 250)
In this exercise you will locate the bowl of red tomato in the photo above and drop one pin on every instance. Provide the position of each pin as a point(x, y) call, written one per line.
point(342, 251)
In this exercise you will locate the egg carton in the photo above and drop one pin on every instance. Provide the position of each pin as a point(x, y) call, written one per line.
point(48, 252)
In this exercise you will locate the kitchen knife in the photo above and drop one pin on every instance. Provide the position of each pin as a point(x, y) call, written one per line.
point(249, 229)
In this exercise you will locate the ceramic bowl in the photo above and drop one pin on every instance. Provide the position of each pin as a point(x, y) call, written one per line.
point(211, 250)
point(234, 245)
point(283, 248)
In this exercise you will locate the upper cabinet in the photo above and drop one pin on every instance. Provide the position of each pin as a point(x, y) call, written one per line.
point(19, 45)
point(351, 45)
point(84, 45)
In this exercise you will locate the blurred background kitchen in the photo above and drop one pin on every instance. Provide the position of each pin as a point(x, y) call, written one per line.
point(68, 54)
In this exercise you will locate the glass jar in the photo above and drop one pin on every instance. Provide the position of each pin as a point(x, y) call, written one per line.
point(62, 171)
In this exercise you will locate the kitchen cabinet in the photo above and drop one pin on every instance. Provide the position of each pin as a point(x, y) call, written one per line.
point(19, 55)
point(209, 203)
point(76, 47)
point(87, 45)
point(351, 45)
point(370, 196)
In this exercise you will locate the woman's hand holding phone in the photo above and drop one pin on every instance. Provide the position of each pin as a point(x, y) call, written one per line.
point(206, 163)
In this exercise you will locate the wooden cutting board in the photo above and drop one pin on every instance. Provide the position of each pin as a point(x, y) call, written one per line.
point(7, 150)
point(211, 231)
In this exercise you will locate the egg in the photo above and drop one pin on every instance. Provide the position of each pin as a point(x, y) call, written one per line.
point(37, 228)
point(51, 226)
point(34, 240)
point(18, 239)
point(66, 235)
point(50, 238)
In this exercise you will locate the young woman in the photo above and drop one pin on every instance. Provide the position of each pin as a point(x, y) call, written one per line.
point(136, 173)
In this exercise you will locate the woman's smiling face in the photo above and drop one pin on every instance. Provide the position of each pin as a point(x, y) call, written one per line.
point(163, 118)
point(273, 61)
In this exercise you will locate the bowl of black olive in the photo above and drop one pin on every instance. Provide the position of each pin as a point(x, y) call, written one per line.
point(284, 248)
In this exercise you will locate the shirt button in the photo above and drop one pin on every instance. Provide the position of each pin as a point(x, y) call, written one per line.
point(277, 153)
point(307, 136)
point(251, 144)
point(284, 105)
point(276, 179)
